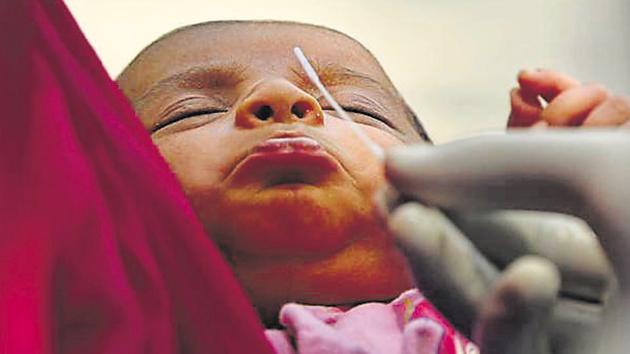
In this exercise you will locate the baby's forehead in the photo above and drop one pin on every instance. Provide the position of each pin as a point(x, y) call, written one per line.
point(265, 35)
point(260, 45)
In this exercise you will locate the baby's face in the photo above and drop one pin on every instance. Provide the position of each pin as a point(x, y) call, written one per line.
point(283, 185)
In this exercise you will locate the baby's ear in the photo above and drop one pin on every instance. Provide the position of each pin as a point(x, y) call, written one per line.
point(525, 109)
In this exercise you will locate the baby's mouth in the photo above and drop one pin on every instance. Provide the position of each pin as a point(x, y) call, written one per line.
point(287, 144)
point(289, 179)
point(286, 161)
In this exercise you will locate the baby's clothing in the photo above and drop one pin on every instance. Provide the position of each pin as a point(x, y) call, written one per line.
point(407, 325)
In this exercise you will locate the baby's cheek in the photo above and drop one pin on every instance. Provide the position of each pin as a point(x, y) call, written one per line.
point(383, 139)
point(195, 167)
point(376, 170)
point(173, 156)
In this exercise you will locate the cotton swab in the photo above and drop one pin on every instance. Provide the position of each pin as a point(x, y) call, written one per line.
point(312, 75)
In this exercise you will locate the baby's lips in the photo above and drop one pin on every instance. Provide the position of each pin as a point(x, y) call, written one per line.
point(288, 143)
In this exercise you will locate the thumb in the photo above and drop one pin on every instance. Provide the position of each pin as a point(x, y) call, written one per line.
point(532, 171)
point(515, 318)
point(525, 109)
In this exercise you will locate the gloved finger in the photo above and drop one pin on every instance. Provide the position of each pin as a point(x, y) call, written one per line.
point(493, 172)
point(568, 242)
point(614, 111)
point(515, 318)
point(579, 173)
point(576, 326)
point(616, 326)
point(447, 267)
point(571, 107)
point(503, 236)
point(386, 199)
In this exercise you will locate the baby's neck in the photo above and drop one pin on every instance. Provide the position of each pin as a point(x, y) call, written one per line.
point(366, 271)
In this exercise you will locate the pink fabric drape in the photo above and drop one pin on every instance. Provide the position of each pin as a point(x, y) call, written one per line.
point(99, 250)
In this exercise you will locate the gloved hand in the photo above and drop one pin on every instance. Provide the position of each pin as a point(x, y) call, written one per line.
point(521, 308)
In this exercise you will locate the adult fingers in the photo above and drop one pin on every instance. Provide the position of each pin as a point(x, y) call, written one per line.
point(493, 172)
point(572, 107)
point(554, 171)
point(516, 316)
point(616, 326)
point(579, 173)
point(576, 326)
point(525, 109)
point(447, 267)
point(545, 83)
point(614, 111)
point(503, 236)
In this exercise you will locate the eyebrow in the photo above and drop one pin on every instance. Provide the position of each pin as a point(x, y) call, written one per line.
point(212, 75)
point(334, 74)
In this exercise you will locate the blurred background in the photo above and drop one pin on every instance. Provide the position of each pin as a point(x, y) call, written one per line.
point(453, 60)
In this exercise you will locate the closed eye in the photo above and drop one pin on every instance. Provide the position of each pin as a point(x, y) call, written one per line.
point(366, 113)
point(369, 114)
point(184, 115)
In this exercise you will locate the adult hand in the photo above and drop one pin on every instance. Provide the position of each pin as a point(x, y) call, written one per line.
point(516, 311)
point(569, 102)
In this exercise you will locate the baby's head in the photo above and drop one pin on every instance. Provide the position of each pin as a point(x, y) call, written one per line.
point(281, 183)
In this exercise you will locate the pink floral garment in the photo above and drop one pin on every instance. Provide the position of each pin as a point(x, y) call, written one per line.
point(407, 325)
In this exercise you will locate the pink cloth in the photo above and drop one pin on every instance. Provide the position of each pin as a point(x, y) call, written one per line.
point(407, 325)
point(99, 250)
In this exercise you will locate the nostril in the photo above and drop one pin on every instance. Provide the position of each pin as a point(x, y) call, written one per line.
point(300, 109)
point(263, 112)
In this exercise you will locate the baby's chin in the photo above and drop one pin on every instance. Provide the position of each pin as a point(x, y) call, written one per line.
point(291, 220)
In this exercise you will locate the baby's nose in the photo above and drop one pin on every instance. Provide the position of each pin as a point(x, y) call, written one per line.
point(278, 101)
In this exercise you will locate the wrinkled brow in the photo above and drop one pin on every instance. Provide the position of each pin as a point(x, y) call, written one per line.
point(335, 74)
point(212, 75)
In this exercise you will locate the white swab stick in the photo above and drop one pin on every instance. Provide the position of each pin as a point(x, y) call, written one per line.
point(312, 75)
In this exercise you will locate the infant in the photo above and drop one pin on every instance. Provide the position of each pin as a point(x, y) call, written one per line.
point(280, 182)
